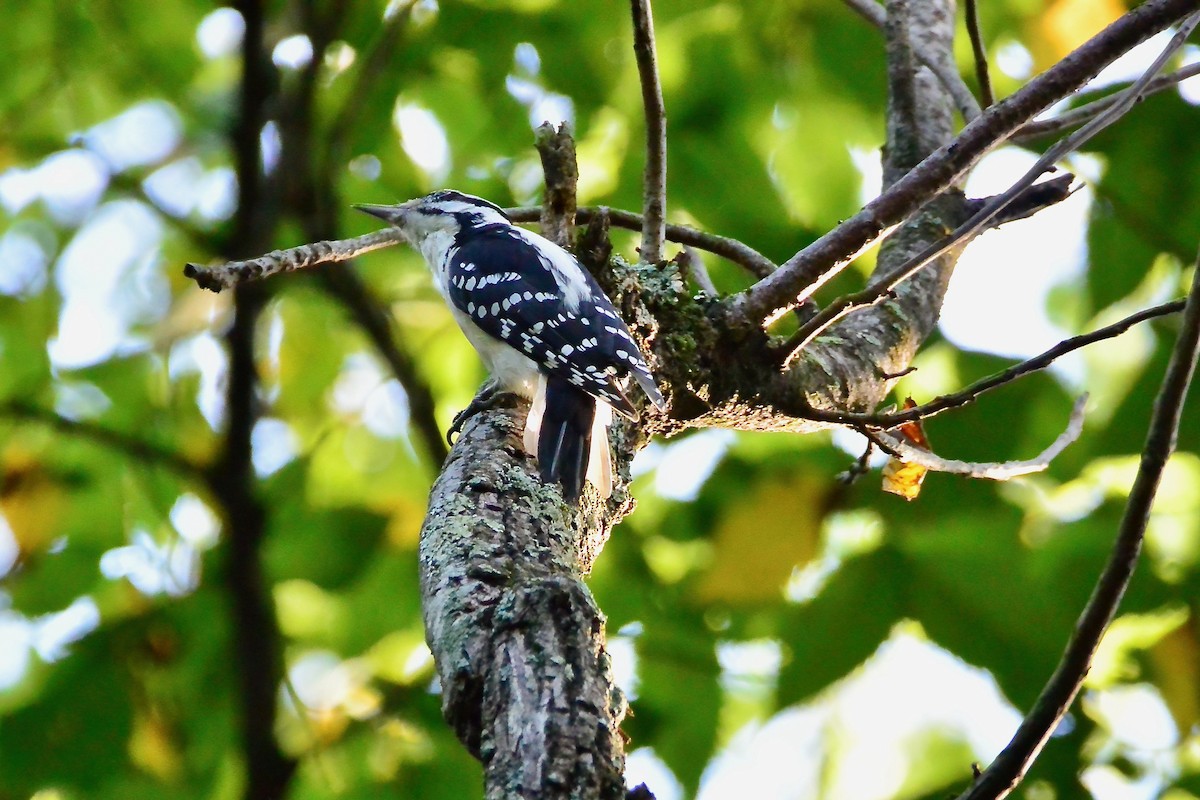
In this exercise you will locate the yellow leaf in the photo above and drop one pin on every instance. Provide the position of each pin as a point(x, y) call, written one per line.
point(31, 499)
point(1175, 660)
point(762, 537)
point(903, 478)
point(1069, 23)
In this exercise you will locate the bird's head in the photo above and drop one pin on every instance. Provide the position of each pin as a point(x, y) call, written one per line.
point(443, 212)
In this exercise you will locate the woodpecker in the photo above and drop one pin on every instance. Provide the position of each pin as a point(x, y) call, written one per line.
point(541, 324)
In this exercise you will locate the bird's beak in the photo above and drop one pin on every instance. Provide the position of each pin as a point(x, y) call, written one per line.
point(390, 214)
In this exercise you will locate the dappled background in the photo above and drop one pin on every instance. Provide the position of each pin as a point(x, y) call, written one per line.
point(779, 634)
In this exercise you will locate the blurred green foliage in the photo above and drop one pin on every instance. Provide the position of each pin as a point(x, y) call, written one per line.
point(764, 595)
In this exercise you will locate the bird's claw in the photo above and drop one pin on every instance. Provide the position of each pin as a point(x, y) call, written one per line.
point(485, 399)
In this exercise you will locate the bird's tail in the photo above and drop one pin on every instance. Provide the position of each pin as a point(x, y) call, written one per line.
point(569, 434)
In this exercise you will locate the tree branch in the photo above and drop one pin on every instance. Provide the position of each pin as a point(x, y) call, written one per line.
point(995, 471)
point(980, 53)
point(257, 660)
point(999, 779)
point(234, 273)
point(654, 192)
point(810, 268)
point(972, 393)
point(732, 250)
point(1031, 131)
point(944, 69)
point(884, 288)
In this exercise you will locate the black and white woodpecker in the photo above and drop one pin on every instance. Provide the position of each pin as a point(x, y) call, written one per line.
point(541, 324)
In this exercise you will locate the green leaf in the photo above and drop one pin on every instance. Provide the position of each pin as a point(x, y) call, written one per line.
point(830, 635)
point(679, 697)
point(330, 547)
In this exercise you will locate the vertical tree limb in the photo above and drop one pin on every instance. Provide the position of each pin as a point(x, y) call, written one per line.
point(517, 638)
point(945, 69)
point(556, 149)
point(654, 191)
point(257, 657)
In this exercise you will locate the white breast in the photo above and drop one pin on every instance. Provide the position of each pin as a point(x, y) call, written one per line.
point(511, 369)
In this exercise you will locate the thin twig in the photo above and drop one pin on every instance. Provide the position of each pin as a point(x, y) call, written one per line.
point(654, 200)
point(232, 273)
point(959, 92)
point(691, 264)
point(1036, 198)
point(730, 249)
point(1077, 116)
point(981, 64)
point(971, 393)
point(816, 264)
point(137, 449)
point(996, 471)
point(860, 467)
point(881, 290)
point(1009, 767)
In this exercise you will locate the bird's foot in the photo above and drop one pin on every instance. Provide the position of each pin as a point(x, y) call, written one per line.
point(489, 396)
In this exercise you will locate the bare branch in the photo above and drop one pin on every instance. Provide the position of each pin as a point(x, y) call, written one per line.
point(882, 289)
point(654, 199)
point(1077, 116)
point(996, 471)
point(813, 266)
point(1007, 770)
point(959, 92)
point(730, 249)
point(1036, 198)
point(232, 273)
point(691, 264)
point(977, 48)
point(972, 392)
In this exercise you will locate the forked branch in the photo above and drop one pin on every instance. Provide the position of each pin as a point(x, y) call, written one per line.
point(882, 289)
point(816, 264)
point(995, 471)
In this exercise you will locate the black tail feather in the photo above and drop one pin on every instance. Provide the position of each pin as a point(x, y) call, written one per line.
point(565, 437)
